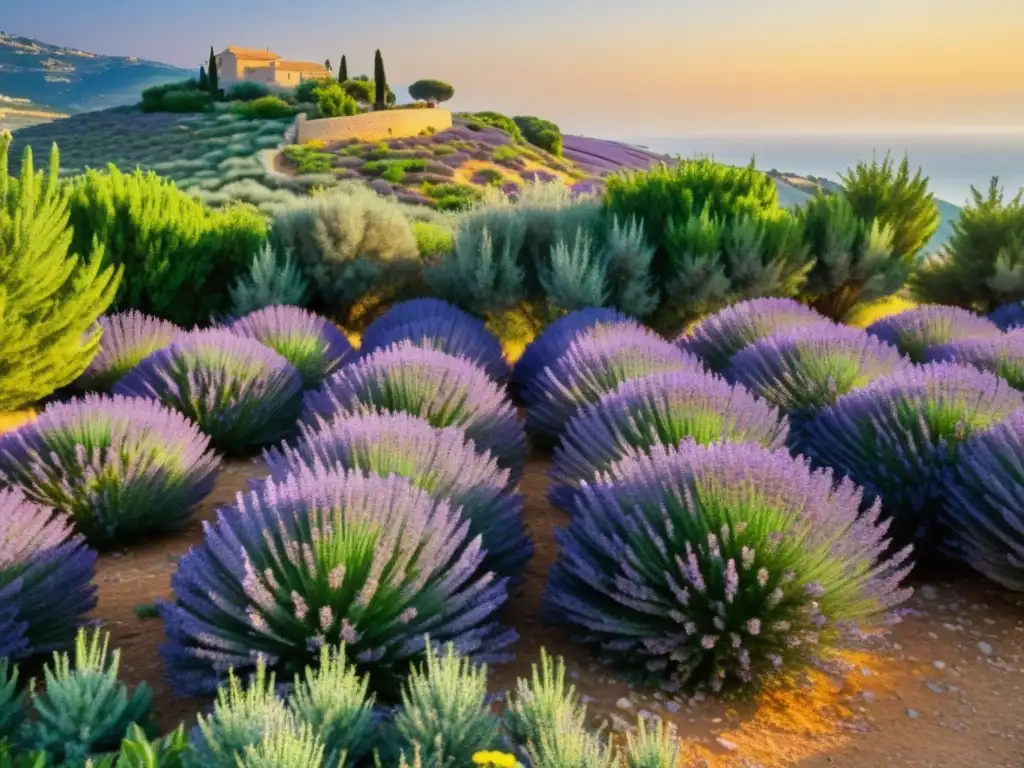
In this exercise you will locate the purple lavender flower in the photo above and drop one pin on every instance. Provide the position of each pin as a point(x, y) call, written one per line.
point(1008, 317)
point(1003, 355)
point(118, 466)
point(985, 503)
point(327, 557)
point(717, 338)
point(126, 339)
point(608, 156)
point(442, 326)
point(46, 575)
point(663, 409)
point(802, 370)
point(554, 340)
point(915, 331)
point(311, 343)
point(898, 436)
point(444, 390)
point(721, 564)
point(442, 462)
point(597, 361)
point(240, 392)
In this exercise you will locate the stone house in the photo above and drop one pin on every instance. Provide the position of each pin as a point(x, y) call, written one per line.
point(237, 65)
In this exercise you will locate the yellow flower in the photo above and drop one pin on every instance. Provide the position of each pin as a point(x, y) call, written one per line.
point(495, 759)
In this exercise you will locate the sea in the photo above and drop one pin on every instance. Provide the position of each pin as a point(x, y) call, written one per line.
point(952, 161)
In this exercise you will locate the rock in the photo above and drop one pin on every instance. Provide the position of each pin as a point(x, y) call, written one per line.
point(928, 592)
point(939, 664)
point(935, 687)
point(624, 703)
point(913, 714)
point(985, 648)
point(672, 706)
point(620, 724)
point(726, 744)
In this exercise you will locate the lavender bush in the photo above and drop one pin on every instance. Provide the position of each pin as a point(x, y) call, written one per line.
point(722, 564)
point(1003, 355)
point(126, 338)
point(240, 392)
point(916, 331)
point(46, 575)
point(803, 370)
point(406, 312)
point(120, 467)
point(442, 462)
point(985, 503)
point(1008, 317)
point(444, 390)
point(596, 362)
point(311, 343)
point(324, 558)
point(663, 409)
point(720, 336)
point(898, 436)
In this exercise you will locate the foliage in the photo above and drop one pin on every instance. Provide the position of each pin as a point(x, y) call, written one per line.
point(442, 462)
point(343, 70)
point(241, 393)
point(178, 256)
point(496, 120)
point(439, 325)
point(663, 409)
point(879, 192)
point(899, 436)
point(247, 91)
point(49, 299)
point(431, 90)
point(185, 102)
point(657, 749)
point(982, 264)
point(754, 565)
point(627, 258)
point(155, 98)
point(273, 604)
point(854, 261)
point(576, 277)
point(718, 337)
point(916, 331)
point(125, 339)
point(541, 133)
point(361, 90)
point(333, 101)
point(806, 369)
point(350, 243)
point(271, 280)
point(264, 108)
point(380, 82)
point(597, 361)
point(45, 579)
point(213, 76)
point(444, 702)
point(535, 707)
point(432, 240)
point(984, 501)
point(305, 91)
point(311, 343)
point(1002, 355)
point(442, 389)
point(119, 467)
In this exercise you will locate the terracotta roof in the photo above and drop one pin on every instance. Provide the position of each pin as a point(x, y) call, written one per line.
point(300, 66)
point(252, 53)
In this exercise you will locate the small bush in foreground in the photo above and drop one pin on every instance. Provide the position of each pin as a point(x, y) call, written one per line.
point(118, 466)
point(45, 578)
point(1009, 317)
point(441, 389)
point(663, 409)
point(717, 338)
point(311, 343)
point(271, 280)
point(1002, 355)
point(754, 565)
point(899, 436)
point(274, 603)
point(406, 312)
point(240, 392)
point(916, 331)
point(442, 462)
point(126, 338)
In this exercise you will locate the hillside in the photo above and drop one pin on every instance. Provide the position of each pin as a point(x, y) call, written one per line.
point(68, 80)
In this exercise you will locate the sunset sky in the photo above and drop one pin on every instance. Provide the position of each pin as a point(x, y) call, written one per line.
point(642, 67)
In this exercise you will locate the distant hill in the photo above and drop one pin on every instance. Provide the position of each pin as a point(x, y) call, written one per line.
point(68, 80)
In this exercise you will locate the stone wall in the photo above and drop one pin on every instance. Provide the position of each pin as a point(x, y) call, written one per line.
point(373, 126)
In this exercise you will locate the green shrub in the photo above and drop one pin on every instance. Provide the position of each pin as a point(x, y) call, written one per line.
point(576, 277)
point(496, 120)
point(186, 102)
point(264, 108)
point(153, 98)
point(304, 90)
point(490, 177)
point(431, 90)
point(541, 133)
point(504, 152)
point(179, 257)
point(332, 101)
point(360, 90)
point(432, 240)
point(271, 281)
point(49, 299)
point(443, 150)
point(247, 91)
point(982, 265)
point(452, 196)
point(308, 159)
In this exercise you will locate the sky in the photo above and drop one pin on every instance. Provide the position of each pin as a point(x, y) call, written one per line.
point(613, 68)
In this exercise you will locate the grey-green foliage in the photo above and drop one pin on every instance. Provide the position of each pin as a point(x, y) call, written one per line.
point(444, 704)
point(84, 710)
point(137, 751)
point(273, 279)
point(285, 749)
point(566, 743)
point(11, 700)
point(628, 257)
point(652, 749)
point(576, 277)
point(479, 274)
point(349, 242)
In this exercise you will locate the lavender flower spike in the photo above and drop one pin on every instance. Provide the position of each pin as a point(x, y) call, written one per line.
point(917, 330)
point(127, 338)
point(1002, 355)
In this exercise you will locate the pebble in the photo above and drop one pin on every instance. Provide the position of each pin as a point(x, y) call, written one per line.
point(939, 664)
point(624, 703)
point(672, 706)
point(985, 648)
point(935, 687)
point(726, 744)
point(913, 714)
point(620, 724)
point(928, 592)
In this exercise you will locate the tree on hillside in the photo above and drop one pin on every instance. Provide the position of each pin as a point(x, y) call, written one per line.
point(380, 80)
point(212, 75)
point(342, 70)
point(431, 90)
point(327, 65)
point(204, 81)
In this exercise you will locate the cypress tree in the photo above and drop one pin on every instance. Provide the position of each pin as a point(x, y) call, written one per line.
point(50, 299)
point(342, 70)
point(204, 81)
point(213, 76)
point(380, 81)
point(327, 64)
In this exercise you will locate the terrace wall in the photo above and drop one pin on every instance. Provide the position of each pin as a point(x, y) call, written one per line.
point(373, 126)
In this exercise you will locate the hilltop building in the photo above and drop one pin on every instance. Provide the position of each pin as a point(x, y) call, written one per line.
point(236, 65)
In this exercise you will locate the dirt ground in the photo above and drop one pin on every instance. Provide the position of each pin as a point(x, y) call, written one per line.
point(947, 688)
